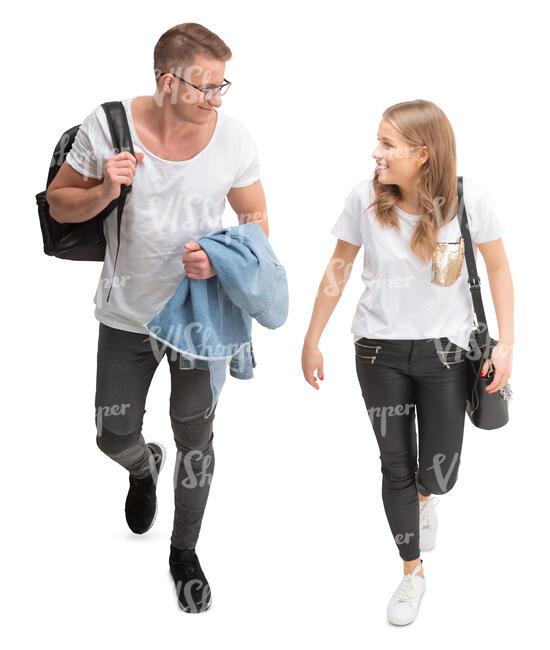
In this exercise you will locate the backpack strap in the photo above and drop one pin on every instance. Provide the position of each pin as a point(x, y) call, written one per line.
point(122, 141)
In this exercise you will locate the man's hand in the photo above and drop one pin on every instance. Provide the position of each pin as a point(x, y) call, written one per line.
point(196, 262)
point(119, 170)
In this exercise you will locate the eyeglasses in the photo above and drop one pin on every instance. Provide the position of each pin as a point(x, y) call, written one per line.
point(209, 93)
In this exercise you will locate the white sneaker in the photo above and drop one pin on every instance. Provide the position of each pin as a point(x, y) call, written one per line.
point(428, 523)
point(403, 605)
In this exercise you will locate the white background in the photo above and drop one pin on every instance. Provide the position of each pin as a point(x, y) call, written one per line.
point(294, 542)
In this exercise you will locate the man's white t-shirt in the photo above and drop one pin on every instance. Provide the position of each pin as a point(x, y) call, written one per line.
point(399, 300)
point(171, 204)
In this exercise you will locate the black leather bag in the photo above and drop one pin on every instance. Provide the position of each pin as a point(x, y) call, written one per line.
point(85, 240)
point(485, 410)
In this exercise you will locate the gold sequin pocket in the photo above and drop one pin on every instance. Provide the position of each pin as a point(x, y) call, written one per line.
point(447, 262)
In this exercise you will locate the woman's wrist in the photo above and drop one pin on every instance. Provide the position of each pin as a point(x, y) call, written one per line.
point(311, 342)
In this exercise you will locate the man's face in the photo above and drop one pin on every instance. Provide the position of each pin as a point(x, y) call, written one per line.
point(205, 72)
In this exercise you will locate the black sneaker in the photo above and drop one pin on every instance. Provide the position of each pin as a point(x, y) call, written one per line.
point(141, 502)
point(192, 586)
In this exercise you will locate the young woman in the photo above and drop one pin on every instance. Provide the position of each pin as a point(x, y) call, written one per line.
point(412, 324)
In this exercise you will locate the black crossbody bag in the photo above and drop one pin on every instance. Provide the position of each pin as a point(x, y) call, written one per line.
point(485, 410)
point(85, 240)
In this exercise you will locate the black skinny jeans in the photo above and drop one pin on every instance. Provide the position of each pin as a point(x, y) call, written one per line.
point(126, 363)
point(397, 378)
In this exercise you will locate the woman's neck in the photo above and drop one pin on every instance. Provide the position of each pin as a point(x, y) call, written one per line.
point(408, 201)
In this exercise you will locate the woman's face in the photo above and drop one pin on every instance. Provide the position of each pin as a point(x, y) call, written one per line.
point(395, 159)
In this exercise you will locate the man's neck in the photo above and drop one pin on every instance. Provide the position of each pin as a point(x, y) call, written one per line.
point(169, 126)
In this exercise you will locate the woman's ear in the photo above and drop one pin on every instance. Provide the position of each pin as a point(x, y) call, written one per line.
point(424, 153)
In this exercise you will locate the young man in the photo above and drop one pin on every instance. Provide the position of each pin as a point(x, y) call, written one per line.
point(188, 158)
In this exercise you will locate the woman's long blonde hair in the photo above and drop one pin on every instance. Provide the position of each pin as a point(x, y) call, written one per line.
point(421, 122)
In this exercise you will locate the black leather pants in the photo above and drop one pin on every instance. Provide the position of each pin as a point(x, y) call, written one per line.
point(399, 378)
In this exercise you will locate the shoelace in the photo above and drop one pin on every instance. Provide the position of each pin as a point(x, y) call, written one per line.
point(426, 508)
point(406, 589)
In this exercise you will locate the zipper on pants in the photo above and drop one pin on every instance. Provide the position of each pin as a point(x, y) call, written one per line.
point(372, 347)
point(444, 361)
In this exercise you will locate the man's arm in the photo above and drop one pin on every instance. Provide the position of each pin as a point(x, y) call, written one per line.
point(249, 204)
point(73, 197)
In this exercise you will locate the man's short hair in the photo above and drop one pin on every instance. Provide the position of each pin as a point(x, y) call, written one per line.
point(178, 47)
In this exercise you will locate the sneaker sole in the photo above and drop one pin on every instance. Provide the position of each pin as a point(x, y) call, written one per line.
point(197, 611)
point(163, 458)
point(163, 451)
point(427, 541)
point(187, 609)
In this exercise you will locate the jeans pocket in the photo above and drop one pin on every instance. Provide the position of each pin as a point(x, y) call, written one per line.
point(366, 352)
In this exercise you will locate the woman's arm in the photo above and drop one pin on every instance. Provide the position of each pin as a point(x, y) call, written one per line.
point(331, 288)
point(502, 291)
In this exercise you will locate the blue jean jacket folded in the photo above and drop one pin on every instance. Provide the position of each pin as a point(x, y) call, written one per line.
point(209, 322)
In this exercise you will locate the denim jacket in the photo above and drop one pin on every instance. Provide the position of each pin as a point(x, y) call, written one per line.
point(209, 322)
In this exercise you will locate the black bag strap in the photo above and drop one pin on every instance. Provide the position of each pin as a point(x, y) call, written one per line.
point(122, 141)
point(473, 278)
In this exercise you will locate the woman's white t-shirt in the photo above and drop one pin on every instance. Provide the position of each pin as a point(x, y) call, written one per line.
point(399, 300)
point(171, 203)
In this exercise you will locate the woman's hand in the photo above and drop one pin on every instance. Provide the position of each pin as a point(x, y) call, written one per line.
point(196, 262)
point(501, 356)
point(312, 360)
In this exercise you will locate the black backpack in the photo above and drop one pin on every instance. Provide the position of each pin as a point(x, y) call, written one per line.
point(84, 240)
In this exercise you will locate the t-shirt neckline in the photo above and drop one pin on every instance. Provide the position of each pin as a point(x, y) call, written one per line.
point(128, 106)
point(406, 214)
